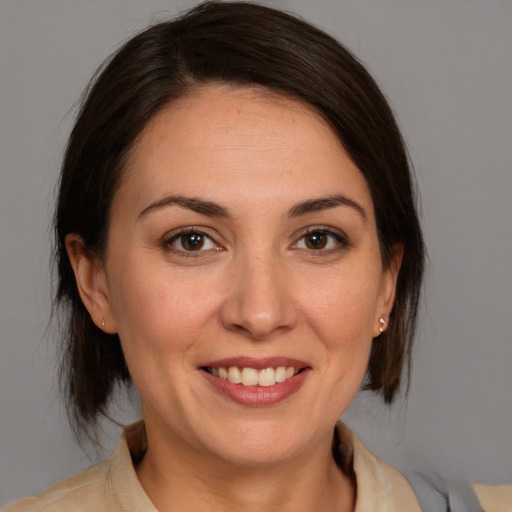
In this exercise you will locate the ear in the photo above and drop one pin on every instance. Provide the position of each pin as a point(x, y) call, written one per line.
point(388, 289)
point(91, 283)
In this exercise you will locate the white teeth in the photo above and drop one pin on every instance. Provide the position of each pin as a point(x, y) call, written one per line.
point(234, 375)
point(267, 377)
point(249, 377)
point(252, 377)
point(280, 374)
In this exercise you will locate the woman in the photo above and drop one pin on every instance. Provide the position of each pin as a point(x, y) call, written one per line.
point(237, 236)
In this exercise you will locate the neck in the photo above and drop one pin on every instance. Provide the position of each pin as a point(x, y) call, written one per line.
point(177, 479)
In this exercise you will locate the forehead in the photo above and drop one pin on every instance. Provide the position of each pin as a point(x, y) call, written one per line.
point(220, 140)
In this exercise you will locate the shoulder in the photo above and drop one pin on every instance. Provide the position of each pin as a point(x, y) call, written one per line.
point(494, 498)
point(83, 492)
point(379, 486)
point(109, 485)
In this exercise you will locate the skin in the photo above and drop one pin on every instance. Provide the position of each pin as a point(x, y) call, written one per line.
point(258, 287)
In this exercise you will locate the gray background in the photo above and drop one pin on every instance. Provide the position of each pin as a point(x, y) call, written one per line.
point(446, 67)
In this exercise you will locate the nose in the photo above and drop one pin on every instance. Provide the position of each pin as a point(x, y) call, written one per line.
point(259, 301)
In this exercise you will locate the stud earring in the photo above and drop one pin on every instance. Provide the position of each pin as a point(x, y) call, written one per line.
point(383, 323)
point(103, 323)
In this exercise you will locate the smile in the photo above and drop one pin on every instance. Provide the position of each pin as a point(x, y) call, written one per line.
point(247, 376)
point(256, 382)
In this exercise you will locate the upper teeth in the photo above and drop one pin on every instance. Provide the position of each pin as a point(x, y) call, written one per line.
point(253, 377)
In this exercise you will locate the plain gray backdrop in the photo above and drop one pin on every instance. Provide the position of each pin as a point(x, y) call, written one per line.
point(445, 66)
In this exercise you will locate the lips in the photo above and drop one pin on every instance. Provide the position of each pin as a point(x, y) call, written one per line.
point(252, 381)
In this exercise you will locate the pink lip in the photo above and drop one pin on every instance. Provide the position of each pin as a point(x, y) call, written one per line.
point(257, 396)
point(257, 363)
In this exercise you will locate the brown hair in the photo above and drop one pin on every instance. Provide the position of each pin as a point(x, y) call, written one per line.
point(242, 44)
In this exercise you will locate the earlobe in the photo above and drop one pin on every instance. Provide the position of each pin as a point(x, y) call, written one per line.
point(91, 283)
point(388, 290)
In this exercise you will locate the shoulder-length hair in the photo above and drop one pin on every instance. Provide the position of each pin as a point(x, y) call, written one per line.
point(242, 44)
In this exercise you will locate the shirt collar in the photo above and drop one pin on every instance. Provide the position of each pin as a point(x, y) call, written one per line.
point(379, 486)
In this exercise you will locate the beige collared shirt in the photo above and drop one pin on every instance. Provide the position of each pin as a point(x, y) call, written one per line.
point(113, 486)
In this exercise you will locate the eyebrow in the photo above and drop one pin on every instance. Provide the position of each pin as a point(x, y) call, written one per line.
point(190, 203)
point(325, 203)
point(215, 210)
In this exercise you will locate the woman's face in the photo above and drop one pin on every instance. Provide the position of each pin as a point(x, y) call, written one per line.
point(242, 241)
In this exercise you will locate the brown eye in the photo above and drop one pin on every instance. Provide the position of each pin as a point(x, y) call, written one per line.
point(316, 240)
point(322, 240)
point(192, 241)
point(189, 241)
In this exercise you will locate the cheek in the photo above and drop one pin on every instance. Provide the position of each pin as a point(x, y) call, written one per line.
point(344, 308)
point(161, 311)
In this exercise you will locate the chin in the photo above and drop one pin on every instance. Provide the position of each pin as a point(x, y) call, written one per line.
point(260, 443)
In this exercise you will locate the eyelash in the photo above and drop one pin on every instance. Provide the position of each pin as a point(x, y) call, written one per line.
point(339, 239)
point(175, 237)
